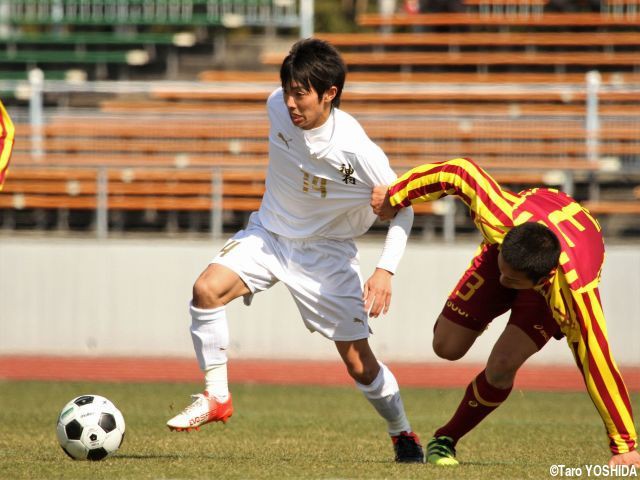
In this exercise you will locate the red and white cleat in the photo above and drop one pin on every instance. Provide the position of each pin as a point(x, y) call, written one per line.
point(203, 409)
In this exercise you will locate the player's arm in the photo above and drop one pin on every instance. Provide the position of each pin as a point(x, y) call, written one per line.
point(602, 377)
point(490, 205)
point(375, 170)
point(7, 133)
point(377, 289)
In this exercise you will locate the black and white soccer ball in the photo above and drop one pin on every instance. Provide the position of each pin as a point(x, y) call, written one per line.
point(90, 427)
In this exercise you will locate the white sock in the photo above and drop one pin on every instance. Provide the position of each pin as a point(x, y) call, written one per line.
point(384, 394)
point(215, 378)
point(210, 335)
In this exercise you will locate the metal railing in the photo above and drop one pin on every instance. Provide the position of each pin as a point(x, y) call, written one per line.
point(48, 102)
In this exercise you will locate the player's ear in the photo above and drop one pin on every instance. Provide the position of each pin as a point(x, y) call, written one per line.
point(544, 279)
point(330, 93)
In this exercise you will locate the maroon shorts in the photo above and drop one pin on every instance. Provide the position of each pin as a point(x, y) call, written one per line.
point(479, 297)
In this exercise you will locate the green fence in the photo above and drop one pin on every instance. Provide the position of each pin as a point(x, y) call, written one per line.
point(281, 13)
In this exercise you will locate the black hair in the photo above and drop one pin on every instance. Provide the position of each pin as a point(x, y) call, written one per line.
point(314, 62)
point(531, 248)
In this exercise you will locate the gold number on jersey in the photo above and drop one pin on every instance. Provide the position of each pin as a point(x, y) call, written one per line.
point(473, 285)
point(568, 214)
point(316, 184)
point(230, 245)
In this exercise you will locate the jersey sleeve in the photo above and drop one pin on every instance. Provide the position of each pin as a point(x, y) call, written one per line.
point(7, 133)
point(275, 105)
point(396, 240)
point(601, 375)
point(374, 163)
point(491, 207)
point(377, 171)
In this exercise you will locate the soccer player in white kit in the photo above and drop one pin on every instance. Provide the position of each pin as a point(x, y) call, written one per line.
point(322, 168)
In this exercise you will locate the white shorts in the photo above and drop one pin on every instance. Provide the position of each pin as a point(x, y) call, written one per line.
point(322, 275)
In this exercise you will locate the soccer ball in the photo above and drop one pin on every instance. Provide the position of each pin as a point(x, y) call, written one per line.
point(90, 427)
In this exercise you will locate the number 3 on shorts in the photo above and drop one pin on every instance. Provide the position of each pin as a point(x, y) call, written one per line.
point(230, 245)
point(473, 285)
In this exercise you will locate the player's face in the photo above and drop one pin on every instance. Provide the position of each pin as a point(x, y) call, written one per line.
point(306, 110)
point(512, 278)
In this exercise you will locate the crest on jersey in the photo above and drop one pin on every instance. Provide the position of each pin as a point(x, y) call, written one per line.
point(347, 171)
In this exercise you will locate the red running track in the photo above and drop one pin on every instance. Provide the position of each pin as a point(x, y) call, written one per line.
point(280, 372)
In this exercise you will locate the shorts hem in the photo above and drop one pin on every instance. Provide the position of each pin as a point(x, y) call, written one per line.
point(352, 338)
point(470, 323)
point(242, 276)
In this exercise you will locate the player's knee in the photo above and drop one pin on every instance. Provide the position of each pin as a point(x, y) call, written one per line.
point(205, 293)
point(447, 349)
point(363, 373)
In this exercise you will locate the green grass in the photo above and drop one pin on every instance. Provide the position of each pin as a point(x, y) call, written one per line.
point(294, 432)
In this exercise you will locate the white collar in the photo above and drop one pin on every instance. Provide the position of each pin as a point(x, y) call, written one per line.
point(320, 136)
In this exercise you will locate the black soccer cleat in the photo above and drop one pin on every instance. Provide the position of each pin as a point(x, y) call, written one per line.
point(407, 447)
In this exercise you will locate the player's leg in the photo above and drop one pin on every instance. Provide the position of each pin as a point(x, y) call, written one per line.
point(324, 279)
point(376, 381)
point(451, 340)
point(213, 289)
point(216, 286)
point(467, 311)
point(530, 326)
point(240, 269)
point(484, 394)
point(381, 389)
point(475, 301)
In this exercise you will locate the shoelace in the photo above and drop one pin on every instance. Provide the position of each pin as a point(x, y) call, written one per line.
point(198, 398)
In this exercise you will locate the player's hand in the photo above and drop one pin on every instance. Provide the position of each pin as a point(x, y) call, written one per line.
point(629, 458)
point(377, 293)
point(380, 203)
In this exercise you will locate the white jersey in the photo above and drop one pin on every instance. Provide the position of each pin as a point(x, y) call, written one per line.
point(319, 181)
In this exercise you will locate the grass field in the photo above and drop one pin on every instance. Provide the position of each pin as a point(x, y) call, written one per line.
point(294, 432)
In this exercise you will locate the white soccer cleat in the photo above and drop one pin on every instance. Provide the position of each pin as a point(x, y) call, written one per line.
point(203, 409)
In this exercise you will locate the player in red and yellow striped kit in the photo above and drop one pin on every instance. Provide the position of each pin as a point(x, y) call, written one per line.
point(7, 133)
point(541, 258)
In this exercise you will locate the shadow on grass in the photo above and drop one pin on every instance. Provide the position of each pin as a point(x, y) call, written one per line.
point(175, 456)
point(486, 464)
point(142, 457)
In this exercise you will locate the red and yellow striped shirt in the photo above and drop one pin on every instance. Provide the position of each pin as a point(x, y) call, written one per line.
point(572, 292)
point(7, 133)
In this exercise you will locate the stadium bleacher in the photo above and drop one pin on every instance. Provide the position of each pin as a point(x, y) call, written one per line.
point(500, 41)
point(510, 91)
point(131, 33)
point(474, 19)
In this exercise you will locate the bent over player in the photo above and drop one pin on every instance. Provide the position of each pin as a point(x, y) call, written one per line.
point(322, 168)
point(541, 258)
